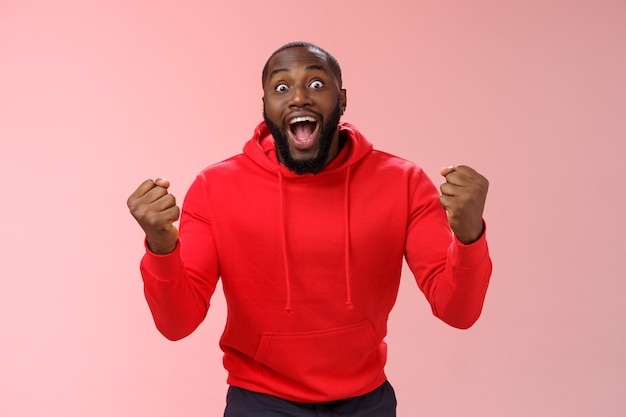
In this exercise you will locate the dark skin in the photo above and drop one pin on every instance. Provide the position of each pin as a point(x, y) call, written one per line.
point(300, 83)
point(463, 196)
point(156, 211)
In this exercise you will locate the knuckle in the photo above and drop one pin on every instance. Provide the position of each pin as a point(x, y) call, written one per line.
point(134, 208)
point(152, 220)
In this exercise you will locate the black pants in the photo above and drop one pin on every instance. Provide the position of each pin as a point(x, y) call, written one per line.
point(243, 403)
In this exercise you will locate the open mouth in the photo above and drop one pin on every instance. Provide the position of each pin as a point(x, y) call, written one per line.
point(303, 129)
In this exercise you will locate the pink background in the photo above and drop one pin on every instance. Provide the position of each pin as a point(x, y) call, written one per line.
point(95, 97)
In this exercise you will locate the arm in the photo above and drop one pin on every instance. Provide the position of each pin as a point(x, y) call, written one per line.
point(452, 273)
point(179, 275)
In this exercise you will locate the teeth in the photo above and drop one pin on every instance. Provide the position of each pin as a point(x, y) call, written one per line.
point(302, 119)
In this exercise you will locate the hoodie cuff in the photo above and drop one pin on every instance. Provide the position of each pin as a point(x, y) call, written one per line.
point(463, 255)
point(166, 267)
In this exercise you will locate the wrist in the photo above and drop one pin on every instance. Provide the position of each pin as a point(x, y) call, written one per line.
point(471, 237)
point(161, 246)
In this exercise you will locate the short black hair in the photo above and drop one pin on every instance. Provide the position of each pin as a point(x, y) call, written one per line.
point(332, 62)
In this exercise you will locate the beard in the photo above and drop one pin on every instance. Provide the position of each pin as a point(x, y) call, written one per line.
point(320, 160)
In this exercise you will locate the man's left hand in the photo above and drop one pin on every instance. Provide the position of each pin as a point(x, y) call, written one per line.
point(463, 196)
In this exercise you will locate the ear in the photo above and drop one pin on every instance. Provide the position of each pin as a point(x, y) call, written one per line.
point(343, 97)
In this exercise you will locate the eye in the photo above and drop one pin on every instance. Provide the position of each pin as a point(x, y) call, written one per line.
point(316, 84)
point(281, 88)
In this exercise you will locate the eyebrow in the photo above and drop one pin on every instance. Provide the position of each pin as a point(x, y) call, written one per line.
point(308, 68)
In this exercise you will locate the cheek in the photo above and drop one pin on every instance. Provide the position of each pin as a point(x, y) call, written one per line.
point(272, 109)
point(328, 102)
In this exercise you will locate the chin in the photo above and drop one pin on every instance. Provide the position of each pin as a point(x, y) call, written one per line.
point(301, 155)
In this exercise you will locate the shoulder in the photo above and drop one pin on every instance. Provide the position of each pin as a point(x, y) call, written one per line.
point(384, 161)
point(228, 166)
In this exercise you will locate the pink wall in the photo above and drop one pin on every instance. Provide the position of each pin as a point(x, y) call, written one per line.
point(96, 98)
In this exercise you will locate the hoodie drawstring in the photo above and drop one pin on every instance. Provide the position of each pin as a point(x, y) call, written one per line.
point(284, 242)
point(347, 238)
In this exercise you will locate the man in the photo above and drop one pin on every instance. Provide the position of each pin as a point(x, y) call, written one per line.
point(307, 229)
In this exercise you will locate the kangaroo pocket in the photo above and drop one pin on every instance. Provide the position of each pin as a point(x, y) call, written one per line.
point(321, 360)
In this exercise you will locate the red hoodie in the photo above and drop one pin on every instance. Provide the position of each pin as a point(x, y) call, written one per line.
point(310, 266)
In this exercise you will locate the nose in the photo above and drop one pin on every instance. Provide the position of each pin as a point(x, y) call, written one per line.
point(299, 97)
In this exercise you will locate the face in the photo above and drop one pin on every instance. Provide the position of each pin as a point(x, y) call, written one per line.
point(303, 102)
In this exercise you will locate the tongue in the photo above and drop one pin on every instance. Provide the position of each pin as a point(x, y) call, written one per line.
point(302, 131)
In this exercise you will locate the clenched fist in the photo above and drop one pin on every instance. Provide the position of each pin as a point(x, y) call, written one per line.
point(155, 210)
point(463, 196)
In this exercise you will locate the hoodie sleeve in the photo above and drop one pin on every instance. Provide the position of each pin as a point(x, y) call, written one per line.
point(454, 277)
point(178, 286)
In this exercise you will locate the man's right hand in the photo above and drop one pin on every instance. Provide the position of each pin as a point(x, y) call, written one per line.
point(155, 210)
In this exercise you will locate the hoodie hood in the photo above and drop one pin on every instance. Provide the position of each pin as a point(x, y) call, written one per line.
point(261, 149)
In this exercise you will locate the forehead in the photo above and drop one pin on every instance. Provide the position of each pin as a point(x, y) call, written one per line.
point(297, 58)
